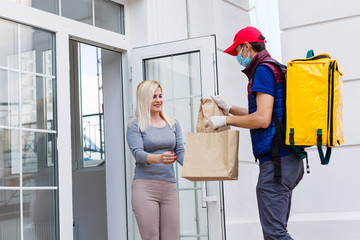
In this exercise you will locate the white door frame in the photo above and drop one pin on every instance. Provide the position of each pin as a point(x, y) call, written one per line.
point(211, 191)
point(66, 29)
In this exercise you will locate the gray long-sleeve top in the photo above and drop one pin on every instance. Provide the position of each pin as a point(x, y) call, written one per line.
point(155, 140)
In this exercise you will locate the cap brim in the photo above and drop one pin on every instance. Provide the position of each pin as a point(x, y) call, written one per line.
point(231, 50)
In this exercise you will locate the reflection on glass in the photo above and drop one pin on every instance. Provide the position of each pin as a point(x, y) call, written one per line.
point(9, 158)
point(80, 10)
point(35, 43)
point(38, 158)
point(9, 98)
point(108, 15)
point(180, 78)
point(51, 6)
point(48, 62)
point(185, 111)
point(8, 46)
point(186, 75)
point(160, 69)
point(39, 214)
point(10, 215)
point(179, 74)
point(92, 105)
point(31, 99)
point(37, 105)
point(49, 103)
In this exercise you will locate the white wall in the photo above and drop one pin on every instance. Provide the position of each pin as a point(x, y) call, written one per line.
point(326, 203)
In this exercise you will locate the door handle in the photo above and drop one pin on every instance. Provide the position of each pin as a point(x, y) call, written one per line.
point(204, 197)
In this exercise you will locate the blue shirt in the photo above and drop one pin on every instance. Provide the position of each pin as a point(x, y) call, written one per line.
point(155, 140)
point(264, 82)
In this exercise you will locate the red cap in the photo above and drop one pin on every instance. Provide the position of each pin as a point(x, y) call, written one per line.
point(248, 34)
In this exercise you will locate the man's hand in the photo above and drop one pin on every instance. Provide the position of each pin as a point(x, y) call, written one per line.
point(220, 101)
point(216, 122)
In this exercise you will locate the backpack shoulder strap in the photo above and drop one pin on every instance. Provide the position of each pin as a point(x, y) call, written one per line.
point(282, 67)
point(277, 64)
point(277, 145)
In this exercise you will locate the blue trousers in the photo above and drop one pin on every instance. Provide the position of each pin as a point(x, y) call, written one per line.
point(274, 199)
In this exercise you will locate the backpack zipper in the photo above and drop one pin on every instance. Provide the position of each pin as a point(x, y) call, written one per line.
point(313, 58)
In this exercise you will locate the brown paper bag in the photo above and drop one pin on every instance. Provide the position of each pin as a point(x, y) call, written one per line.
point(209, 108)
point(211, 156)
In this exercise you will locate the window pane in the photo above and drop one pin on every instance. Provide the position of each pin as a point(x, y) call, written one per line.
point(108, 15)
point(36, 45)
point(192, 216)
point(50, 103)
point(9, 98)
point(186, 75)
point(37, 102)
point(36, 48)
point(39, 214)
point(51, 6)
point(185, 111)
point(9, 157)
point(10, 215)
point(93, 140)
point(8, 44)
point(38, 158)
point(160, 69)
point(80, 10)
point(91, 80)
point(179, 75)
point(180, 78)
point(92, 105)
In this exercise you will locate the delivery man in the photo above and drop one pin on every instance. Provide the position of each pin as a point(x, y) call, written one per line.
point(266, 96)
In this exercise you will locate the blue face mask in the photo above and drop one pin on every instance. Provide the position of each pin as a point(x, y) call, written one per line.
point(243, 61)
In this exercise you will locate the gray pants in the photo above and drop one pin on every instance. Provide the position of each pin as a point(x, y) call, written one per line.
point(156, 208)
point(274, 199)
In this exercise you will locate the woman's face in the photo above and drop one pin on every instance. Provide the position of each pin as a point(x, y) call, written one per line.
point(157, 102)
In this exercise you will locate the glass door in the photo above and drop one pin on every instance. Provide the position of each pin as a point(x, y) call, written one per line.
point(98, 181)
point(28, 133)
point(187, 72)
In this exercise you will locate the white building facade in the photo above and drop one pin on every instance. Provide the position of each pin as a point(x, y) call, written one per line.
point(324, 205)
point(68, 77)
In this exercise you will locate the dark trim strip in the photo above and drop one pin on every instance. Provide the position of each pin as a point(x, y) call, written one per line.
point(313, 58)
point(332, 67)
point(329, 105)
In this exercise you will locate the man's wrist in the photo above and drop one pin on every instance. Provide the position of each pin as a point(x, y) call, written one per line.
point(228, 110)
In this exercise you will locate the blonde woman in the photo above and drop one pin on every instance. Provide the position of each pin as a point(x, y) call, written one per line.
point(156, 143)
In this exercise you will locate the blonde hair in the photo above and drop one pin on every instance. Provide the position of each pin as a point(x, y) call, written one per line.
point(144, 96)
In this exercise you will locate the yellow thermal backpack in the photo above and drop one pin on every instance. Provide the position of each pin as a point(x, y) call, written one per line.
point(313, 105)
